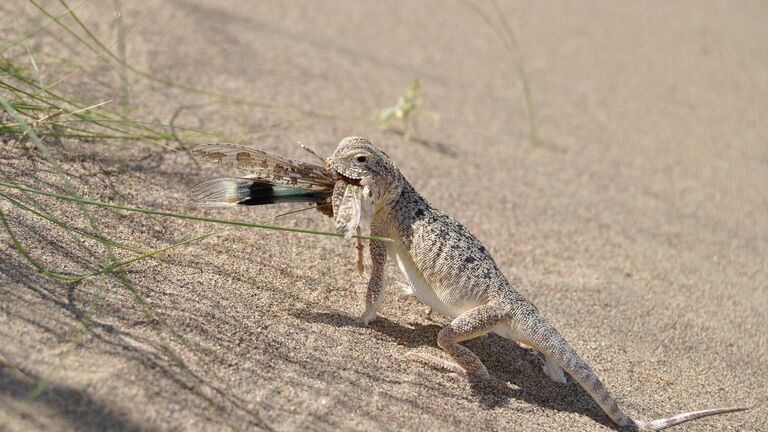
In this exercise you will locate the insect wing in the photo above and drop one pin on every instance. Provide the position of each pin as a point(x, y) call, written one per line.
point(261, 165)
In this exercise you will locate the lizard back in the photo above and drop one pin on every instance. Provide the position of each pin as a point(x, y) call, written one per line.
point(453, 263)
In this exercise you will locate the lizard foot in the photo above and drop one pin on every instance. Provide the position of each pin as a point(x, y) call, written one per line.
point(554, 371)
point(368, 317)
point(451, 367)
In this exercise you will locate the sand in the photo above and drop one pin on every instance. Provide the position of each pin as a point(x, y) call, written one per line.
point(638, 224)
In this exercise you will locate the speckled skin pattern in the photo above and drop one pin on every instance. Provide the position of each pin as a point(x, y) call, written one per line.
point(452, 272)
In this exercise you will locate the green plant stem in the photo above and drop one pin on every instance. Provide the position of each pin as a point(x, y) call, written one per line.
point(41, 27)
point(107, 269)
point(57, 222)
point(183, 216)
point(510, 44)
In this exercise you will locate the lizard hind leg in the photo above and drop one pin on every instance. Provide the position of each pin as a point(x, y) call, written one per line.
point(553, 370)
point(471, 324)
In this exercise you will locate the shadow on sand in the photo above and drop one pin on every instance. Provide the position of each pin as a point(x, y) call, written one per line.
point(532, 385)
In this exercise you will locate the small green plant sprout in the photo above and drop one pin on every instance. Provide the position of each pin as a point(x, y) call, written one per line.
point(407, 109)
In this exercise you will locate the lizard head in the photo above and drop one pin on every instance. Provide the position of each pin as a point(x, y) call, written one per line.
point(357, 162)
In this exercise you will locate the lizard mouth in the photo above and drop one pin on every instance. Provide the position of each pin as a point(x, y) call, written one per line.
point(342, 177)
point(349, 180)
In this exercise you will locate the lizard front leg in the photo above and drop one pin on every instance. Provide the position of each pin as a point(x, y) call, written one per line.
point(374, 296)
point(469, 325)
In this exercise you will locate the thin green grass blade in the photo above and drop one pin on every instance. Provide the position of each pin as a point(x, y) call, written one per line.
point(67, 227)
point(105, 270)
point(40, 28)
point(507, 38)
point(125, 128)
point(27, 129)
point(122, 72)
point(191, 89)
point(184, 216)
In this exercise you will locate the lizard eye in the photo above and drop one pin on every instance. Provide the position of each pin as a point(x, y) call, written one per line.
point(361, 159)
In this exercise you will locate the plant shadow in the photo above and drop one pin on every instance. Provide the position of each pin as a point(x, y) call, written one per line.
point(434, 145)
point(79, 408)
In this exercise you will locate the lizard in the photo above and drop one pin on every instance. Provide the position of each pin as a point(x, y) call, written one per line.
point(447, 267)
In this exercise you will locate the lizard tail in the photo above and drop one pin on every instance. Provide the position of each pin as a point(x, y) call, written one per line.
point(234, 191)
point(546, 339)
point(657, 425)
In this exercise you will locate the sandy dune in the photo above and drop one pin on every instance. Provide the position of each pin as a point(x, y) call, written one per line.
point(638, 225)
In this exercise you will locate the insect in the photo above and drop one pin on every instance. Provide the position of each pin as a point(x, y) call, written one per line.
point(273, 179)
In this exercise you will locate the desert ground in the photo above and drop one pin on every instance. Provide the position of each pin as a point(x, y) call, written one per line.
point(637, 222)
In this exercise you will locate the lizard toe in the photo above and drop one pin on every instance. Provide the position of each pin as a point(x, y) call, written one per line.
point(367, 318)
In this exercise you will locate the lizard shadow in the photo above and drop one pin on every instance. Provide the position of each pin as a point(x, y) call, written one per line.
point(521, 378)
point(415, 337)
